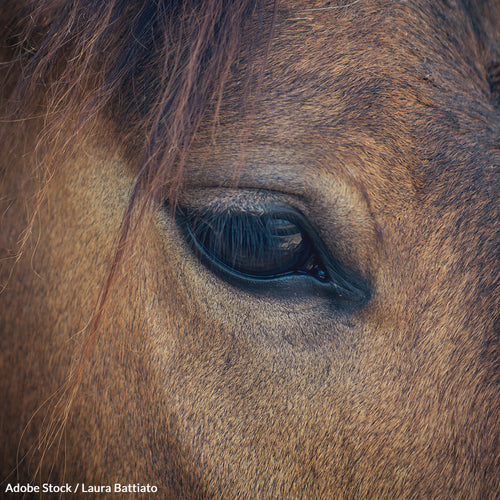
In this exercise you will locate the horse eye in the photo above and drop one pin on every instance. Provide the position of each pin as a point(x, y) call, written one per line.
point(256, 246)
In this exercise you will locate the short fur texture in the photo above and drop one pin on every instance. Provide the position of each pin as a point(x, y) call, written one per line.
point(126, 360)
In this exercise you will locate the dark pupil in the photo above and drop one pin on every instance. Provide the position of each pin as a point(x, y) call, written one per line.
point(260, 246)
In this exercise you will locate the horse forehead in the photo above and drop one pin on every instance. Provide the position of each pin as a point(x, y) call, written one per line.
point(336, 55)
point(331, 90)
point(319, 70)
point(353, 86)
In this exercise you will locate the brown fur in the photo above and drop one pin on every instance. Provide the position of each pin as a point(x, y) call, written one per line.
point(126, 360)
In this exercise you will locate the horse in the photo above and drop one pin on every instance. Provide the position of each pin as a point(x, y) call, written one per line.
point(249, 249)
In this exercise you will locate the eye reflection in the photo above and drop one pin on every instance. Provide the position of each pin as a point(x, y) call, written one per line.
point(256, 246)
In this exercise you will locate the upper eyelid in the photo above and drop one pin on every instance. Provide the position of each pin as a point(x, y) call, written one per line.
point(240, 199)
point(274, 210)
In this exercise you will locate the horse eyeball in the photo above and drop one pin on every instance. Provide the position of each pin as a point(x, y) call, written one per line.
point(257, 246)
